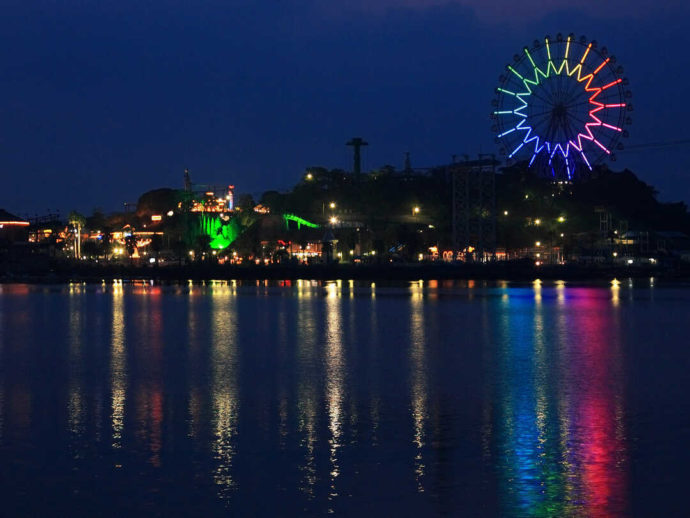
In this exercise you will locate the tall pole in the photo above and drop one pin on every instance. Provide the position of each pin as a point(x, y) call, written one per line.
point(357, 143)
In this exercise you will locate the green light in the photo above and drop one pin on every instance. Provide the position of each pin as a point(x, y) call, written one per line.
point(300, 221)
point(548, 48)
point(506, 91)
point(516, 72)
point(530, 58)
point(222, 233)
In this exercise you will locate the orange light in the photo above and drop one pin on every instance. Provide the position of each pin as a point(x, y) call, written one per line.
point(15, 223)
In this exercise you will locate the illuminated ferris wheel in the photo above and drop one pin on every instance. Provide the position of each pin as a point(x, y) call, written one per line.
point(563, 105)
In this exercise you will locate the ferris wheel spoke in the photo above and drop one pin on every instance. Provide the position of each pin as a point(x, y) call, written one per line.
point(540, 97)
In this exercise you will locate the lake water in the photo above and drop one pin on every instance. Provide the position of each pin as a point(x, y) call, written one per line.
point(311, 398)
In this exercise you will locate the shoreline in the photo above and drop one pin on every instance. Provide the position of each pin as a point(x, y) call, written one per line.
point(508, 271)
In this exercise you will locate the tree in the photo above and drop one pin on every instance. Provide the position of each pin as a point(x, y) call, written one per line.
point(245, 202)
point(156, 245)
point(77, 221)
point(97, 219)
point(180, 250)
point(91, 249)
point(130, 244)
point(203, 244)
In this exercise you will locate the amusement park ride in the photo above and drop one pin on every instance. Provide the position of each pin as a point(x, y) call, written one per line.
point(563, 105)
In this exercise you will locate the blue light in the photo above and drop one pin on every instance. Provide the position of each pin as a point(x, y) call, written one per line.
point(516, 150)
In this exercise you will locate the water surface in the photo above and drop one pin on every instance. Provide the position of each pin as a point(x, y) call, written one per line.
point(310, 398)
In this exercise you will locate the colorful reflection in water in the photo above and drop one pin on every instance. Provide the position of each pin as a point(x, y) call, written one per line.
point(562, 447)
point(311, 398)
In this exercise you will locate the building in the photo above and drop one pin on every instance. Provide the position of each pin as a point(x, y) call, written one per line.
point(12, 228)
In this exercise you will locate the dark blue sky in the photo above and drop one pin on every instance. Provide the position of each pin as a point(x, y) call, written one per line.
point(101, 101)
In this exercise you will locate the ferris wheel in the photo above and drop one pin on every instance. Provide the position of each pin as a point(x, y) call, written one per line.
point(563, 105)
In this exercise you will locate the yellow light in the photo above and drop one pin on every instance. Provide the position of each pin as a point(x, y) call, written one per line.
point(416, 210)
point(537, 222)
point(373, 252)
point(309, 176)
point(332, 205)
point(333, 220)
point(562, 234)
point(615, 254)
point(156, 217)
point(538, 243)
point(420, 257)
point(561, 219)
point(352, 252)
point(505, 212)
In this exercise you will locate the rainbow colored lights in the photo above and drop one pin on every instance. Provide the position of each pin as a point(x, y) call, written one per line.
point(556, 105)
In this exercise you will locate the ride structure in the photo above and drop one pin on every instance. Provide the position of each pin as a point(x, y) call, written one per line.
point(299, 221)
point(563, 105)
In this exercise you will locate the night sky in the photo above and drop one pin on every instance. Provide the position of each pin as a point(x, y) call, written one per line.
point(103, 100)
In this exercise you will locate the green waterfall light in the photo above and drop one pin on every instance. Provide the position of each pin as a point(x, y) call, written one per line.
point(222, 233)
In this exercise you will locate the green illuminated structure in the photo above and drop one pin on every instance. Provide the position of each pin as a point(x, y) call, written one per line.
point(221, 232)
point(300, 221)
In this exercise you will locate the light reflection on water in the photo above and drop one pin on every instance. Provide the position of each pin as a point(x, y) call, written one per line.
point(307, 402)
point(76, 332)
point(335, 382)
point(563, 445)
point(338, 397)
point(418, 366)
point(118, 367)
point(224, 361)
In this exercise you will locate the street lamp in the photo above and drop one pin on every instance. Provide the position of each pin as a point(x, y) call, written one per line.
point(416, 210)
point(332, 205)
